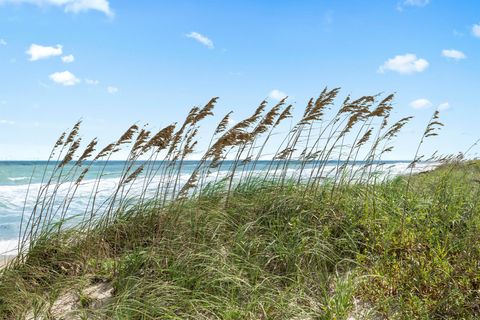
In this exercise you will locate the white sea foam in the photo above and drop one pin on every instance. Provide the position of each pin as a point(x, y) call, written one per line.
point(8, 247)
point(17, 178)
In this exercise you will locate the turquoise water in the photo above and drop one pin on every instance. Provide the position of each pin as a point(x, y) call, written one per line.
point(21, 180)
point(19, 177)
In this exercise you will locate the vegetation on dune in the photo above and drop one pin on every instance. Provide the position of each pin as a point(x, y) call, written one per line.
point(318, 243)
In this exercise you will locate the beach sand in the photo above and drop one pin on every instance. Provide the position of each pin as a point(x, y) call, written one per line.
point(4, 260)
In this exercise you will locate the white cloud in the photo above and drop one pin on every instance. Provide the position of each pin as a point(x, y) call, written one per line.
point(476, 30)
point(77, 6)
point(92, 82)
point(9, 122)
point(3, 42)
point(65, 78)
point(421, 104)
point(277, 94)
point(416, 3)
point(404, 64)
point(38, 52)
point(112, 90)
point(411, 3)
point(74, 6)
point(68, 59)
point(443, 106)
point(453, 54)
point(201, 38)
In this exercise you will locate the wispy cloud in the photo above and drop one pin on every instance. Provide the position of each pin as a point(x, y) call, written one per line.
point(425, 103)
point(68, 59)
point(476, 30)
point(453, 54)
point(276, 94)
point(74, 6)
point(411, 3)
point(9, 122)
point(421, 104)
point(404, 64)
point(65, 78)
point(38, 52)
point(3, 42)
point(416, 3)
point(112, 89)
point(444, 106)
point(201, 38)
point(92, 82)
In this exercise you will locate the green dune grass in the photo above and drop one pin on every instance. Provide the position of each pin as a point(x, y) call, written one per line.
point(272, 253)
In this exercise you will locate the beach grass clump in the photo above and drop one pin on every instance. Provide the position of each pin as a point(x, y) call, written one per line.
point(320, 231)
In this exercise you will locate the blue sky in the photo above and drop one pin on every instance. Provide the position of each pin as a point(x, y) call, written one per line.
point(113, 63)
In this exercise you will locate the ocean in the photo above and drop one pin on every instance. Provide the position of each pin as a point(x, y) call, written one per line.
point(21, 180)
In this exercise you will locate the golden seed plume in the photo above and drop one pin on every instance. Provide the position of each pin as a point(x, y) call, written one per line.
point(82, 175)
point(140, 141)
point(161, 139)
point(73, 133)
point(88, 151)
point(134, 174)
point(365, 137)
point(70, 153)
point(284, 115)
point(207, 110)
point(222, 125)
point(59, 141)
point(109, 148)
point(127, 136)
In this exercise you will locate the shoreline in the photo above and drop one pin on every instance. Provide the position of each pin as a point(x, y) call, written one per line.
point(5, 259)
